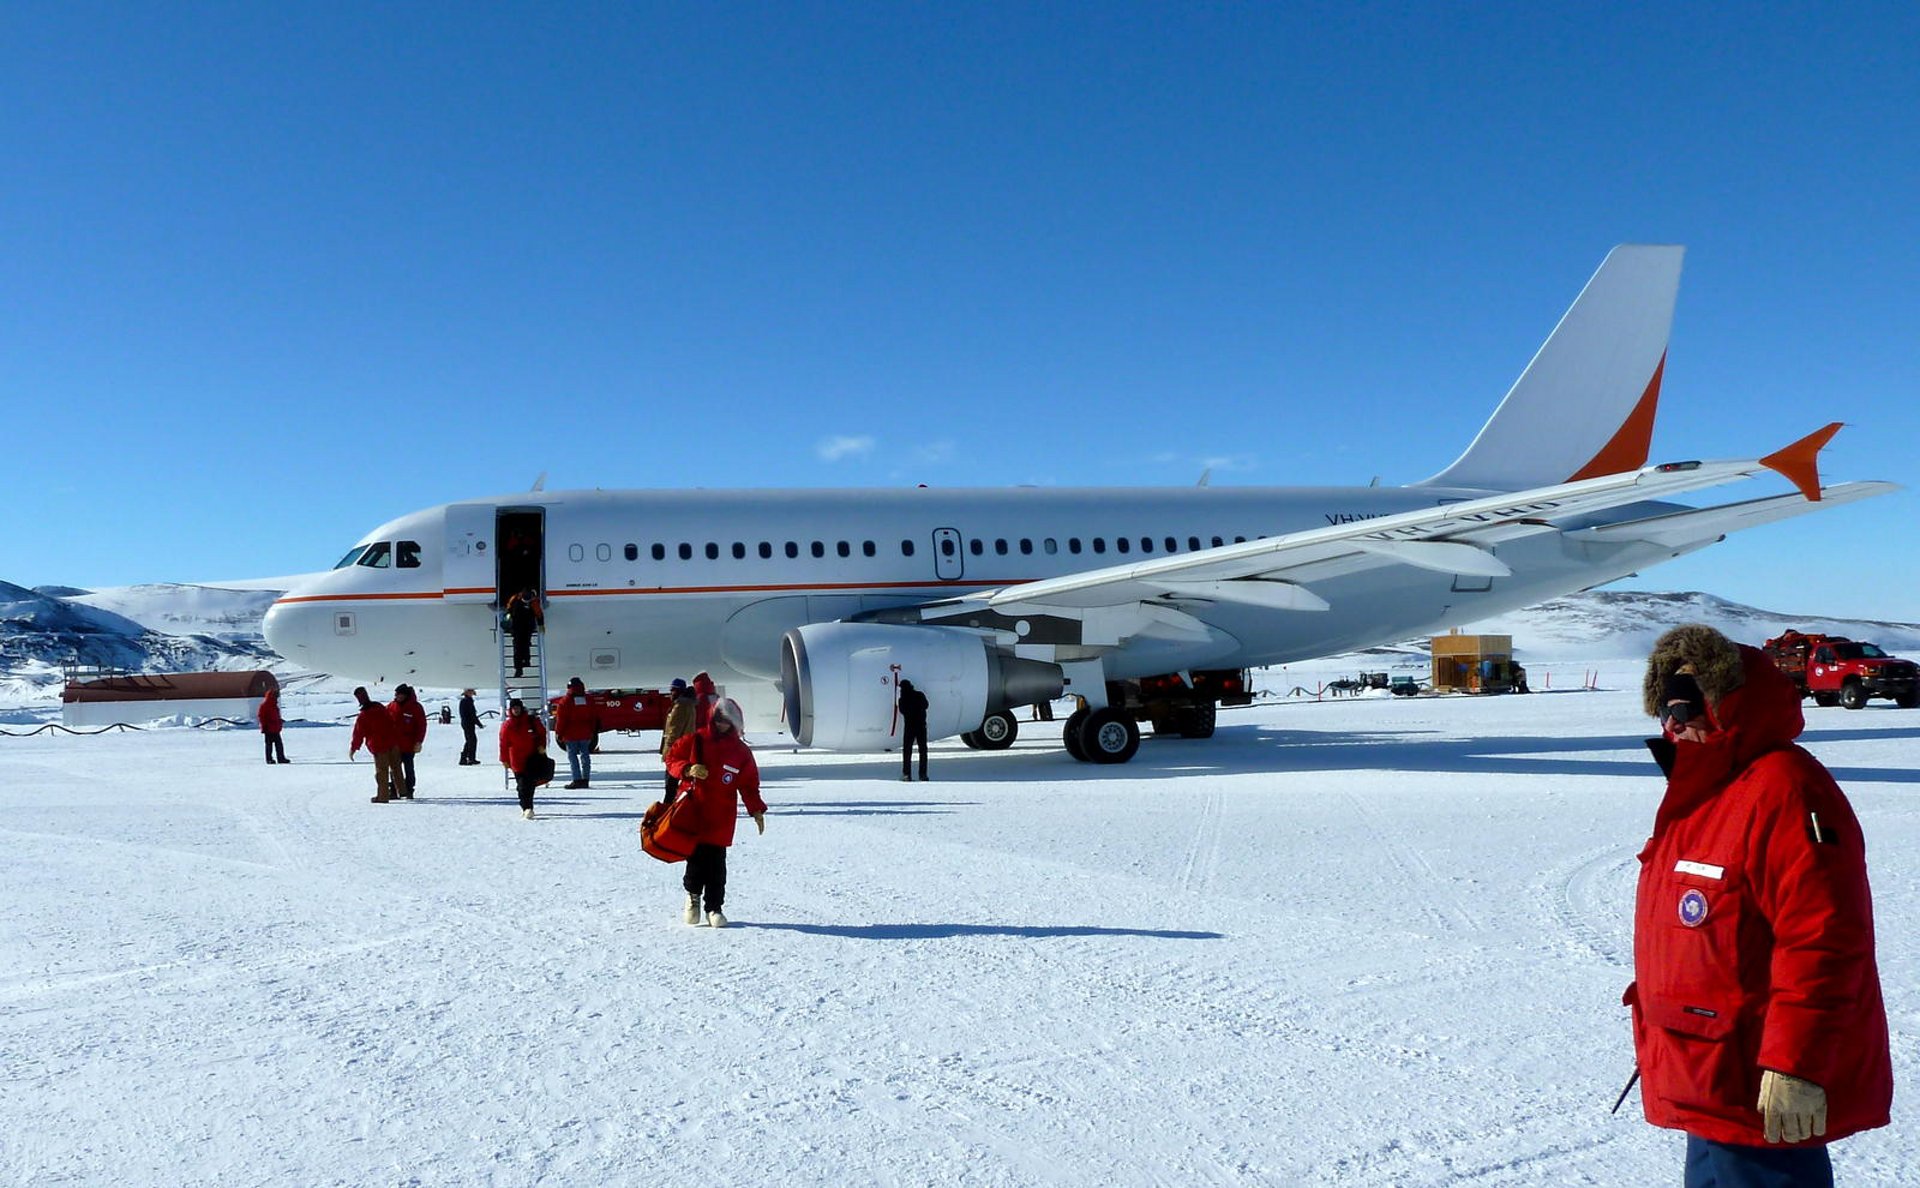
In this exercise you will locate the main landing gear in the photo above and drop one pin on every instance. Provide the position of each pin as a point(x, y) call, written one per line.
point(995, 734)
point(1104, 735)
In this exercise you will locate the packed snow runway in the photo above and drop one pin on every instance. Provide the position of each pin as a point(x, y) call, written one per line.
point(1377, 941)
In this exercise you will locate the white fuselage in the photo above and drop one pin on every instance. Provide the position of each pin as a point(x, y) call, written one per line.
point(643, 586)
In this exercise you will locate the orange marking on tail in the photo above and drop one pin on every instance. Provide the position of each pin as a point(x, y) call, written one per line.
point(1800, 462)
point(1633, 441)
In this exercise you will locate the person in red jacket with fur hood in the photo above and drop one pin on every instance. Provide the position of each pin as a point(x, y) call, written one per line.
point(1757, 1017)
point(271, 723)
point(717, 772)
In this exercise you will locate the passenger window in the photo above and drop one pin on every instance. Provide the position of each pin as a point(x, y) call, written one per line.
point(766, 549)
point(1239, 540)
point(844, 549)
point(1026, 547)
point(1173, 544)
point(866, 548)
point(978, 546)
point(686, 551)
point(1073, 545)
point(906, 548)
point(1099, 544)
point(739, 550)
point(1122, 544)
point(353, 554)
point(819, 548)
point(576, 553)
point(793, 549)
point(1146, 544)
point(659, 552)
point(713, 551)
point(406, 555)
point(377, 556)
point(1193, 544)
point(603, 552)
point(1000, 547)
point(1217, 542)
point(633, 552)
point(1048, 546)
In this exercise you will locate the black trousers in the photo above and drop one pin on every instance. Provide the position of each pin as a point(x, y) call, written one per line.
point(525, 782)
point(913, 733)
point(707, 871)
point(522, 646)
point(469, 753)
point(274, 747)
point(406, 768)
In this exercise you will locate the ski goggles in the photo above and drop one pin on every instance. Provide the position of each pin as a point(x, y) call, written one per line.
point(1681, 701)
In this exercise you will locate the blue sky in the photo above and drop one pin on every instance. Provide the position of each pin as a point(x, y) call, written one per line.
point(271, 275)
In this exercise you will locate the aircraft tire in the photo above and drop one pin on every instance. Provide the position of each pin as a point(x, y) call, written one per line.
point(971, 739)
point(1070, 734)
point(998, 731)
point(1109, 736)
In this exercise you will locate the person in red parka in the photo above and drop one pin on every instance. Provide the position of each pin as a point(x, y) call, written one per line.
point(522, 737)
point(1757, 1018)
point(374, 729)
point(717, 772)
point(271, 723)
point(575, 724)
point(410, 735)
point(705, 696)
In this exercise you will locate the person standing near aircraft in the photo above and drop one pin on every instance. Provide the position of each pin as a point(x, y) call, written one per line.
point(717, 771)
point(705, 696)
point(679, 724)
point(271, 724)
point(912, 704)
point(1758, 1023)
point(523, 744)
point(574, 726)
point(470, 727)
point(410, 735)
point(524, 617)
point(373, 727)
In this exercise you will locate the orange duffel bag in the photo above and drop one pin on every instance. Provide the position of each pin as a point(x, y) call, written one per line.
point(668, 830)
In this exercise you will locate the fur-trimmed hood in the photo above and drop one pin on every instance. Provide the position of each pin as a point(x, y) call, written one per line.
point(1712, 658)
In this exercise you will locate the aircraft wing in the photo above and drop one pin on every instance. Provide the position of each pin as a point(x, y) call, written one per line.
point(1278, 572)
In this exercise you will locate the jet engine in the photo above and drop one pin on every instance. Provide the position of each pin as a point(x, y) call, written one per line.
point(838, 681)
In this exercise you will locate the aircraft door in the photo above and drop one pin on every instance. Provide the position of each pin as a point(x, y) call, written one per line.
point(522, 533)
point(467, 573)
point(949, 561)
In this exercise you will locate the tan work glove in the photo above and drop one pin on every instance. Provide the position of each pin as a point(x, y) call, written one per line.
point(1792, 1110)
point(760, 822)
point(697, 771)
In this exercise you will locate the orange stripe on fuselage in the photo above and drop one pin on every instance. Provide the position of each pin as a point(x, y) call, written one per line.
point(1633, 441)
point(660, 590)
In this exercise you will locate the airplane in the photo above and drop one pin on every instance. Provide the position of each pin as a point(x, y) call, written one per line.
point(808, 606)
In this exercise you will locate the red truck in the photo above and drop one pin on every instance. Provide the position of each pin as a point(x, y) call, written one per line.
point(626, 709)
point(1835, 670)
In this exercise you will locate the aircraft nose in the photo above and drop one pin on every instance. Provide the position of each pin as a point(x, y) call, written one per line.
point(290, 628)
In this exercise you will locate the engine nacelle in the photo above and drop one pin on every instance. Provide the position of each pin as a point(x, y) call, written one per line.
point(838, 681)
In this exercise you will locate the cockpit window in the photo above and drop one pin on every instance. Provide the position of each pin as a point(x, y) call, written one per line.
point(353, 554)
point(377, 556)
point(406, 554)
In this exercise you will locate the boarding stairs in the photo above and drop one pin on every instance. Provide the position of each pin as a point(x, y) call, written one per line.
point(530, 687)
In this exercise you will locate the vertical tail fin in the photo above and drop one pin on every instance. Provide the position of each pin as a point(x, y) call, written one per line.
point(1584, 406)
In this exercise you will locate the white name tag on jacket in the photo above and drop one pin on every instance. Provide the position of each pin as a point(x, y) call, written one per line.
point(1704, 870)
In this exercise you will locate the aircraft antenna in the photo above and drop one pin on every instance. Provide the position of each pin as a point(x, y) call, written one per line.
point(540, 482)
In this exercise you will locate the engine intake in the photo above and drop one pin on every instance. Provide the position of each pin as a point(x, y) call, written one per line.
point(838, 681)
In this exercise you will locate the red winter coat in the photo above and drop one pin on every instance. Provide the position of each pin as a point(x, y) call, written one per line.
point(1753, 942)
point(521, 738)
point(574, 719)
point(270, 720)
point(374, 729)
point(732, 776)
point(705, 697)
point(409, 723)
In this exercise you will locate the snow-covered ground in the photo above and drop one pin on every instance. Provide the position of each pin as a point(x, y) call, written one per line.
point(1374, 941)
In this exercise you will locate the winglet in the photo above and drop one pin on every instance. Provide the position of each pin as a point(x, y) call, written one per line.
point(1800, 462)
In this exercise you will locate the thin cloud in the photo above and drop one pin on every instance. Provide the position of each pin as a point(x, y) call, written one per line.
point(833, 449)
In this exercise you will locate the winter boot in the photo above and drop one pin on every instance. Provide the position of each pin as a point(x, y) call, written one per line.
point(526, 814)
point(715, 919)
point(692, 913)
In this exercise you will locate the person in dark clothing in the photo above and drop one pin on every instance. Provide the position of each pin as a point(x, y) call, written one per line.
point(469, 726)
point(524, 617)
point(271, 724)
point(913, 728)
